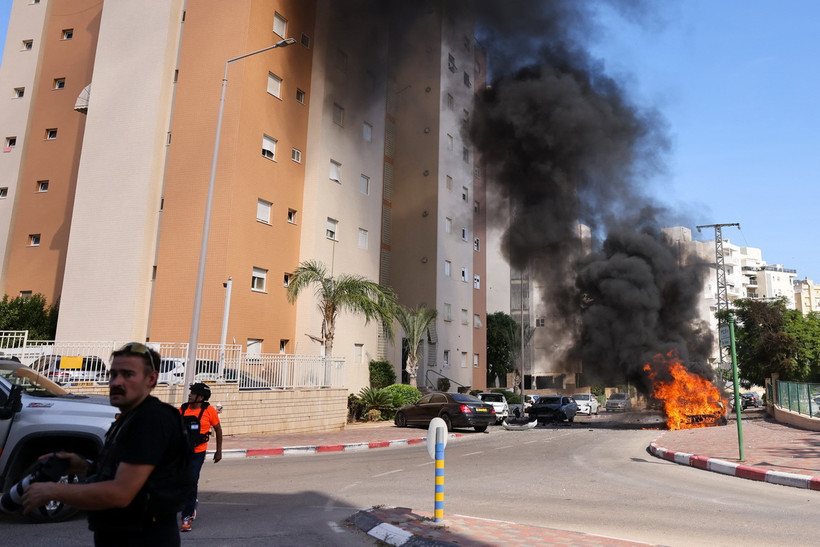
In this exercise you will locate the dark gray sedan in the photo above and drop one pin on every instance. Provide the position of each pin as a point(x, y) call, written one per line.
point(456, 409)
point(553, 408)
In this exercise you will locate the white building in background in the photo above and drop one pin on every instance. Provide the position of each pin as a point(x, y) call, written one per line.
point(747, 275)
point(806, 296)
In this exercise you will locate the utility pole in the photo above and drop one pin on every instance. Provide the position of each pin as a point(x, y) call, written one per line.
point(722, 293)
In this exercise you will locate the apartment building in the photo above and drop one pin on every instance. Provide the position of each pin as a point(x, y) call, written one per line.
point(806, 296)
point(344, 147)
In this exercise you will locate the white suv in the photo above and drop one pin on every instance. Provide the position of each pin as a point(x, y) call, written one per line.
point(499, 402)
point(587, 403)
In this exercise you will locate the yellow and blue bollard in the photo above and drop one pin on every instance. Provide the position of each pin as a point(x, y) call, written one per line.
point(438, 514)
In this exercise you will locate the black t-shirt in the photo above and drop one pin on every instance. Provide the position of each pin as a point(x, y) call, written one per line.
point(150, 434)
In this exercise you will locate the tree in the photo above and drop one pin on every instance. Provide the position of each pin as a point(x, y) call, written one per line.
point(769, 338)
point(352, 293)
point(503, 345)
point(31, 313)
point(415, 323)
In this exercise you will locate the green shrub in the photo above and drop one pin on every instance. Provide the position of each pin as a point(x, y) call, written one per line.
point(372, 415)
point(403, 394)
point(379, 399)
point(354, 408)
point(443, 384)
point(382, 374)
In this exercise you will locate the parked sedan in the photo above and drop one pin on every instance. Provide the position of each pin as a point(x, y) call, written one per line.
point(456, 409)
point(499, 402)
point(555, 408)
point(618, 401)
point(587, 403)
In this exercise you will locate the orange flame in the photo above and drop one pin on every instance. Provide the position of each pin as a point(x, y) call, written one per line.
point(687, 399)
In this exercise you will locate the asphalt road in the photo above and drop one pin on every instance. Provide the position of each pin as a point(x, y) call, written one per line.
point(584, 477)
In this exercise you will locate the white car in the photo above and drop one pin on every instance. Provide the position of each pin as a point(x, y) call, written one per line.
point(587, 403)
point(499, 402)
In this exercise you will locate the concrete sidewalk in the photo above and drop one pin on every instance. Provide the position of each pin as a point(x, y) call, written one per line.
point(773, 452)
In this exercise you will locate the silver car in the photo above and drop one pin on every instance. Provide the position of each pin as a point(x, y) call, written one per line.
point(618, 401)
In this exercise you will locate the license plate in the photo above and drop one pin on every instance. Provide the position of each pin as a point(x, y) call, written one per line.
point(481, 410)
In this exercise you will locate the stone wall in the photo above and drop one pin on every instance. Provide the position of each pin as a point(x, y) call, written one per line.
point(262, 411)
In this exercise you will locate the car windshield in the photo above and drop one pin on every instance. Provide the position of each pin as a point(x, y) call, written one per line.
point(492, 397)
point(581, 397)
point(618, 396)
point(33, 383)
point(462, 398)
point(549, 400)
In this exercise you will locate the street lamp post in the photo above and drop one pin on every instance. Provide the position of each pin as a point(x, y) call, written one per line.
point(193, 340)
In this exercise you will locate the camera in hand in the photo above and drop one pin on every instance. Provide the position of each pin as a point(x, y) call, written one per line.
point(48, 470)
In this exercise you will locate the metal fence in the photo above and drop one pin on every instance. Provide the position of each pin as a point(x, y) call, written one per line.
point(86, 363)
point(799, 397)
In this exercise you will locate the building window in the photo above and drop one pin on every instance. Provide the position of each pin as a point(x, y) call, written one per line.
point(362, 238)
point(28, 44)
point(338, 115)
point(464, 233)
point(305, 40)
point(465, 193)
point(539, 321)
point(300, 96)
point(464, 274)
point(286, 280)
point(448, 225)
point(25, 294)
point(296, 155)
point(451, 102)
point(475, 360)
point(258, 279)
point(68, 33)
point(292, 216)
point(476, 207)
point(476, 321)
point(448, 182)
point(450, 142)
point(358, 353)
point(463, 359)
point(34, 240)
point(283, 345)
point(465, 154)
point(464, 316)
point(274, 85)
point(476, 281)
point(364, 185)
point(448, 312)
point(467, 81)
point(263, 211)
point(11, 142)
point(476, 244)
point(367, 132)
point(59, 83)
point(42, 186)
point(19, 92)
point(51, 134)
point(269, 147)
point(335, 171)
point(341, 60)
point(4, 192)
point(446, 361)
point(280, 25)
point(332, 226)
point(447, 267)
point(451, 63)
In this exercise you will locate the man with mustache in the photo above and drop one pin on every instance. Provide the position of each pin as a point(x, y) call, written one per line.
point(140, 480)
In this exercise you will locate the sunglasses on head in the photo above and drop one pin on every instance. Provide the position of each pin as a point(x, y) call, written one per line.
point(135, 348)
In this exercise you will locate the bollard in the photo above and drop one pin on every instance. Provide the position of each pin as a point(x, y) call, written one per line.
point(438, 514)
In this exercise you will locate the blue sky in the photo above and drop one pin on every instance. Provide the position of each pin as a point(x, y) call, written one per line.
point(736, 82)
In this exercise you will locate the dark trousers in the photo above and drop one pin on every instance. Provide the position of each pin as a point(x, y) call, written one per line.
point(163, 533)
point(196, 466)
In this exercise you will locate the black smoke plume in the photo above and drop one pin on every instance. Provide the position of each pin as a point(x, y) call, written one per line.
point(565, 147)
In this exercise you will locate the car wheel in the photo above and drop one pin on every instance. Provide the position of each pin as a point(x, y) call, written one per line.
point(571, 419)
point(53, 511)
point(401, 419)
point(447, 421)
point(480, 428)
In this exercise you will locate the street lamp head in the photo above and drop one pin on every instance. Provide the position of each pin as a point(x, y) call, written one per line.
point(285, 42)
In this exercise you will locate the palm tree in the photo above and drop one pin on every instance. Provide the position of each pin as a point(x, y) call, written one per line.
point(352, 293)
point(415, 323)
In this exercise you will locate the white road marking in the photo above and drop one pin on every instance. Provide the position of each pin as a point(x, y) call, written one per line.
point(388, 473)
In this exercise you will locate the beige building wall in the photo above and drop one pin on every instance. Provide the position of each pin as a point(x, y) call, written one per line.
point(107, 284)
point(18, 75)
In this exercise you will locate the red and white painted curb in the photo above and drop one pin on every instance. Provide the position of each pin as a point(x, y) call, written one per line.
point(736, 469)
point(319, 448)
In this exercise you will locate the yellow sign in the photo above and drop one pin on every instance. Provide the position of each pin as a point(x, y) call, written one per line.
point(73, 363)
